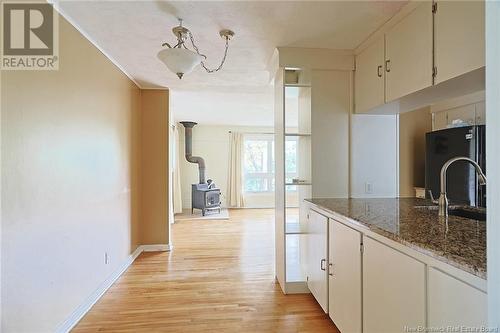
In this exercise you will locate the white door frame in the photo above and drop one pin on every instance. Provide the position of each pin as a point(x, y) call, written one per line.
point(493, 158)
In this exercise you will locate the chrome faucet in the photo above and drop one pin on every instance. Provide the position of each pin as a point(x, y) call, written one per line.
point(443, 199)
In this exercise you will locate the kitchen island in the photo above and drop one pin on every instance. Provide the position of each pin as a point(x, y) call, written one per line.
point(394, 265)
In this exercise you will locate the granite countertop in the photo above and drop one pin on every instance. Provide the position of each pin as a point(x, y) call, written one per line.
point(461, 243)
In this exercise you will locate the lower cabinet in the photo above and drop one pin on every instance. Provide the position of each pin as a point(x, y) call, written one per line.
point(344, 299)
point(367, 286)
point(455, 303)
point(317, 275)
point(393, 290)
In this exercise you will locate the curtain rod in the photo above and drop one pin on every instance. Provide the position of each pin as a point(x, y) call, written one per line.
point(269, 133)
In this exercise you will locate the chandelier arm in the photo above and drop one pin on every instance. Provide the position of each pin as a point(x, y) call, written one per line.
point(202, 55)
point(203, 63)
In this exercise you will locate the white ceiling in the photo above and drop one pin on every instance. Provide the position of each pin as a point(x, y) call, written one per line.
point(131, 32)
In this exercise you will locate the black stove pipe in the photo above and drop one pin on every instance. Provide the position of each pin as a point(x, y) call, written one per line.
point(188, 130)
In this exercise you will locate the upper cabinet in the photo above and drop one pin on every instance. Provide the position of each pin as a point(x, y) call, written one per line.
point(422, 46)
point(459, 38)
point(369, 77)
point(396, 64)
point(408, 53)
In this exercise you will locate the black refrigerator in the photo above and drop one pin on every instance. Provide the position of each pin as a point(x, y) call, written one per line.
point(462, 186)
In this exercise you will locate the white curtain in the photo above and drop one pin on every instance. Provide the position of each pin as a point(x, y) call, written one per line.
point(176, 174)
point(235, 177)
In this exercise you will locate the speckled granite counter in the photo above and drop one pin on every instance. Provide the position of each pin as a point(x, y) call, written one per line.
point(462, 244)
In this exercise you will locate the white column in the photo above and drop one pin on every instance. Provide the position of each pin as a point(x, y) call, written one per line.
point(493, 157)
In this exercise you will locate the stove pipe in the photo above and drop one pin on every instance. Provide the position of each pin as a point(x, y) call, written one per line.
point(188, 130)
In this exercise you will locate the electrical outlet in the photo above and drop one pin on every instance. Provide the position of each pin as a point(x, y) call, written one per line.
point(106, 258)
point(368, 188)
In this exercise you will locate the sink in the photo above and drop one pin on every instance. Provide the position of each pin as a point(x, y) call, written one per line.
point(474, 213)
point(469, 213)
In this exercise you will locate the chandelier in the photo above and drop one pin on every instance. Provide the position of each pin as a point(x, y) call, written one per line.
point(180, 60)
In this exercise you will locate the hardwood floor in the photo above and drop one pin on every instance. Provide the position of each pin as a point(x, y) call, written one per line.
point(218, 278)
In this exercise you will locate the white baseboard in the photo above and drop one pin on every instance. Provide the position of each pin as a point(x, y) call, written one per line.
point(156, 247)
point(79, 312)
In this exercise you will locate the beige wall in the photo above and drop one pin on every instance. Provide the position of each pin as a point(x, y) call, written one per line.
point(71, 181)
point(154, 164)
point(412, 128)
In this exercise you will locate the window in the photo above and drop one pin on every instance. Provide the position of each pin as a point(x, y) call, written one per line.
point(258, 164)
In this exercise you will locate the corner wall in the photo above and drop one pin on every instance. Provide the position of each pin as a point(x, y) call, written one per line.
point(154, 165)
point(412, 129)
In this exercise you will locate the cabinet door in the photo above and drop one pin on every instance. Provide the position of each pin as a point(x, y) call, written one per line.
point(369, 77)
point(480, 114)
point(317, 275)
point(459, 38)
point(466, 113)
point(440, 120)
point(344, 301)
point(408, 53)
point(455, 303)
point(393, 289)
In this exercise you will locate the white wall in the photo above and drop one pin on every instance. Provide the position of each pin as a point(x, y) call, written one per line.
point(374, 155)
point(331, 105)
point(493, 158)
point(212, 143)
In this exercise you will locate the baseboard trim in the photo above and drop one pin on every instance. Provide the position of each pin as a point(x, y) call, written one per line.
point(82, 310)
point(156, 247)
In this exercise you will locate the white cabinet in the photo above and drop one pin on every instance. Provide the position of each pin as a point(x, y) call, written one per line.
point(396, 64)
point(344, 301)
point(369, 77)
point(471, 114)
point(393, 289)
point(459, 38)
point(408, 53)
point(454, 303)
point(317, 259)
point(370, 285)
point(480, 113)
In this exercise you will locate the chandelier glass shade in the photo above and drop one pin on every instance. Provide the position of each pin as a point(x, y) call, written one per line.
point(180, 60)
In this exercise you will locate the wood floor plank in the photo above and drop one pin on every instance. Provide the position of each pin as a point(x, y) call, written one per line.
point(218, 278)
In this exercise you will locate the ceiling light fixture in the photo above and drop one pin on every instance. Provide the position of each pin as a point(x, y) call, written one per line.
point(180, 60)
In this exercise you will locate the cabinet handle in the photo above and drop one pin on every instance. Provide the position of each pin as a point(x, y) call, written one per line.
point(379, 71)
point(323, 262)
point(330, 269)
point(387, 66)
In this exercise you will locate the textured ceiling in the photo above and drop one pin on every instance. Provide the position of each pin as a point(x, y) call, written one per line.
point(131, 33)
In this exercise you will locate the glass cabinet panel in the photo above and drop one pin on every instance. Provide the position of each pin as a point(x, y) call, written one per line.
point(297, 168)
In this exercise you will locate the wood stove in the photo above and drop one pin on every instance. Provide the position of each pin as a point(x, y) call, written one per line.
point(204, 195)
point(205, 198)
